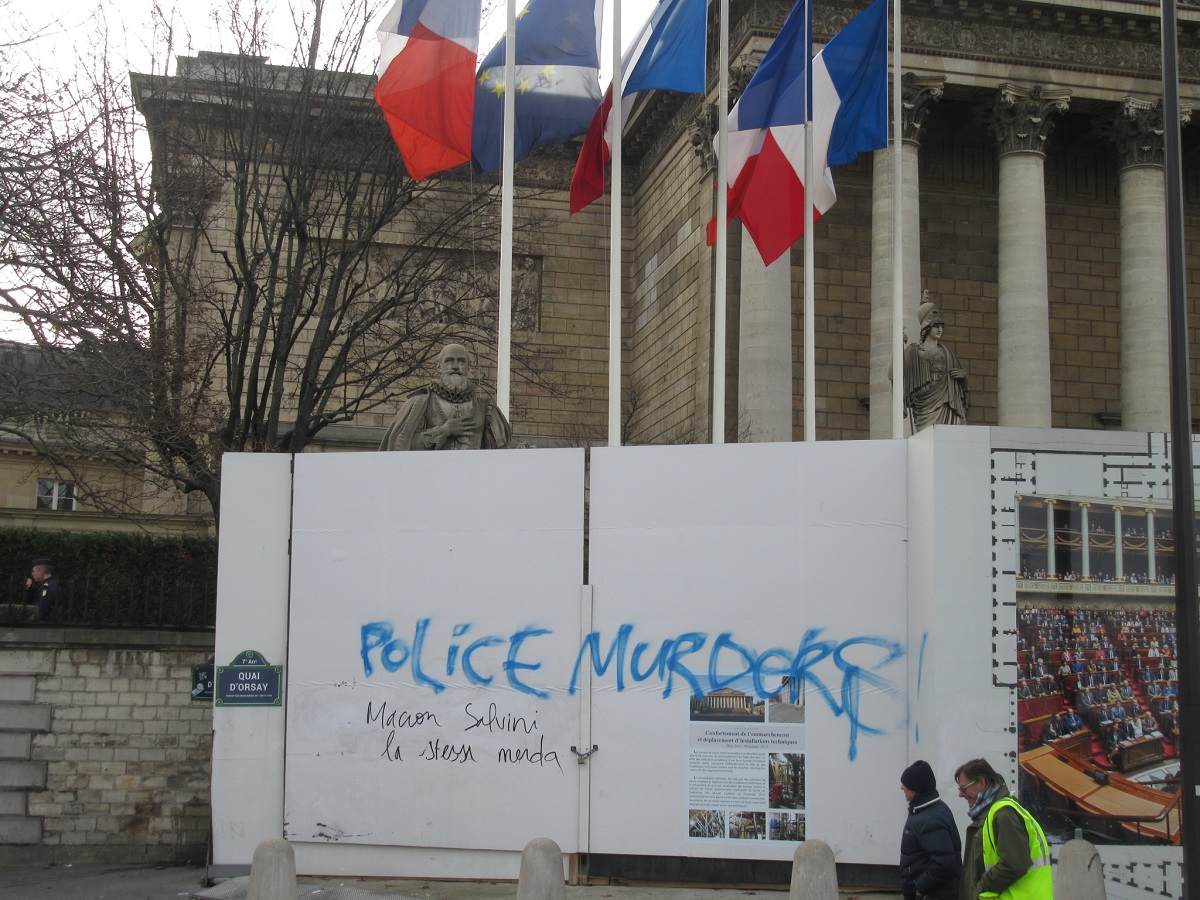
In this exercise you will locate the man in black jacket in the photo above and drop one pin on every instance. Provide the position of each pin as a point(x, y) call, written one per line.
point(42, 589)
point(930, 848)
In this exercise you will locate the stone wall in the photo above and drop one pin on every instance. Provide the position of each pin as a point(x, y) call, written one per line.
point(104, 755)
point(670, 303)
point(567, 399)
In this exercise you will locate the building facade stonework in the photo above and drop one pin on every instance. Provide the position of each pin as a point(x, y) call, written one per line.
point(1042, 81)
point(1016, 185)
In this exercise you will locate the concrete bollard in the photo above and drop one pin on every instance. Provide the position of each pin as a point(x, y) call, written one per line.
point(1080, 873)
point(814, 873)
point(273, 871)
point(541, 871)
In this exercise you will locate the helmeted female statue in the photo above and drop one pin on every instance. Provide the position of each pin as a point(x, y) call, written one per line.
point(935, 383)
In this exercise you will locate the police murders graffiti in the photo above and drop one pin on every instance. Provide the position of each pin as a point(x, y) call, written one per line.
point(835, 671)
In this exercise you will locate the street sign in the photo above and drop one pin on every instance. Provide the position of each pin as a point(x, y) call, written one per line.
point(202, 681)
point(249, 681)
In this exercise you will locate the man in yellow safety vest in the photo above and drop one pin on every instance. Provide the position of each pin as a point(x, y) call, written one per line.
point(1006, 853)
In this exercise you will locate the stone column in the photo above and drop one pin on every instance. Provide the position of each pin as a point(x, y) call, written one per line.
point(1021, 122)
point(1145, 348)
point(765, 347)
point(1118, 545)
point(1152, 571)
point(1086, 537)
point(1051, 566)
point(917, 93)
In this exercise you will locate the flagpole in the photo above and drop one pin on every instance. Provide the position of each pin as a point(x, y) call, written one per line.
point(504, 329)
point(897, 239)
point(721, 261)
point(1183, 479)
point(614, 239)
point(810, 330)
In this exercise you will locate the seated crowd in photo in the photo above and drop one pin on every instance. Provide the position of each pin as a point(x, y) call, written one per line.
point(1111, 673)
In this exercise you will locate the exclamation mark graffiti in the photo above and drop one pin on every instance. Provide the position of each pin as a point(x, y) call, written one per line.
point(920, 672)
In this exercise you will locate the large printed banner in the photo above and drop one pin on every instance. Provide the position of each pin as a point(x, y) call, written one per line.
point(1090, 554)
point(744, 650)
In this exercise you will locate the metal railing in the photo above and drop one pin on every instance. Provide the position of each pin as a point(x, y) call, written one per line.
point(116, 602)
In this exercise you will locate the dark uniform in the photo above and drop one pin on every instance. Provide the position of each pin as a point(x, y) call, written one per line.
point(47, 595)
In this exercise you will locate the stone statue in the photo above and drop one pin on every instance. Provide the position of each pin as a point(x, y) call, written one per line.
point(935, 383)
point(448, 414)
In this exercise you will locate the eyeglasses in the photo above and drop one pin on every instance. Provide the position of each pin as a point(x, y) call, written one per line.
point(962, 788)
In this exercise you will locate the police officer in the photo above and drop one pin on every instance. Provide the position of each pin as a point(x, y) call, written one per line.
point(43, 590)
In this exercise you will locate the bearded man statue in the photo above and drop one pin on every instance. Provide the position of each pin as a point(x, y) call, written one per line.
point(448, 414)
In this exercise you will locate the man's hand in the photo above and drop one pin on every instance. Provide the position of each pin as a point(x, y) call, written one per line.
point(464, 427)
point(450, 430)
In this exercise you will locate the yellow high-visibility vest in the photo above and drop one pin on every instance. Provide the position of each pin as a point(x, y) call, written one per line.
point(1038, 882)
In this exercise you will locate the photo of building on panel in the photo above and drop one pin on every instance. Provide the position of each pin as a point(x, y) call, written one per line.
point(727, 705)
point(787, 706)
point(1097, 676)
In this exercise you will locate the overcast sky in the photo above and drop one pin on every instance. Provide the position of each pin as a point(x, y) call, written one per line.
point(65, 31)
point(67, 28)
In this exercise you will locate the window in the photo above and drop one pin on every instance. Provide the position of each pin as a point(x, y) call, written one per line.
point(55, 494)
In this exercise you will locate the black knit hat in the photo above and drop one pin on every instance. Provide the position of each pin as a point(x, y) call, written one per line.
point(919, 777)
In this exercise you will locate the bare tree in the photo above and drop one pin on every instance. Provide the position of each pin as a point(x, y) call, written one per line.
point(270, 272)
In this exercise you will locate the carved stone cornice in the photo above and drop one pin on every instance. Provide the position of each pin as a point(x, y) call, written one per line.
point(759, 18)
point(740, 73)
point(701, 131)
point(548, 167)
point(657, 127)
point(1022, 118)
point(1077, 36)
point(917, 92)
point(1137, 132)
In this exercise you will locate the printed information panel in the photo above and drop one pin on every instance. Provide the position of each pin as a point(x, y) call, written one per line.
point(770, 633)
point(745, 774)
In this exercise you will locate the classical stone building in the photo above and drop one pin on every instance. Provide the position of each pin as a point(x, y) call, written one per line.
point(84, 491)
point(1032, 191)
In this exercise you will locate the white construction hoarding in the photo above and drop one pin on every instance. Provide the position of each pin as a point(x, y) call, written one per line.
point(749, 646)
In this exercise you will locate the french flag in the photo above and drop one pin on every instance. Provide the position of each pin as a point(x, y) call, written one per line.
point(667, 55)
point(846, 89)
point(426, 85)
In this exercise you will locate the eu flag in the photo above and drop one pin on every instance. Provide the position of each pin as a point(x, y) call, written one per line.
point(557, 80)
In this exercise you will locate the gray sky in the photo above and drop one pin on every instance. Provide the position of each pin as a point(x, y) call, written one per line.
point(67, 27)
point(65, 32)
